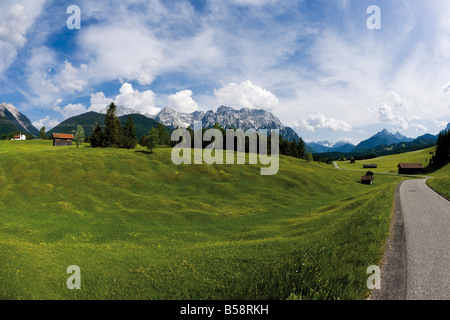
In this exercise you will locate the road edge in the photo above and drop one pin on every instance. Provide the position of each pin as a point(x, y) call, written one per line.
point(393, 268)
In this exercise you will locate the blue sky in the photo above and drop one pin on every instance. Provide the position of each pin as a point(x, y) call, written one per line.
point(314, 64)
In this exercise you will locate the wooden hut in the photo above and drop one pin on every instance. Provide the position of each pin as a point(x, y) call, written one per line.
point(368, 179)
point(410, 168)
point(62, 139)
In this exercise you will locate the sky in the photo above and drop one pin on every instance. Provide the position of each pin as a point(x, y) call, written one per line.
point(331, 69)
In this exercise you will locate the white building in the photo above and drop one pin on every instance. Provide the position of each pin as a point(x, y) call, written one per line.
point(20, 137)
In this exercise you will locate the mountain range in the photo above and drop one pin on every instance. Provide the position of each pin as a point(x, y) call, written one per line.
point(381, 143)
point(226, 117)
point(11, 120)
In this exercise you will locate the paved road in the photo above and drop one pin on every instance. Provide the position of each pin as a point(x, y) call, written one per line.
point(426, 217)
point(417, 262)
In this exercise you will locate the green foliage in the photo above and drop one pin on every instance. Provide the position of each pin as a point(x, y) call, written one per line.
point(79, 136)
point(97, 137)
point(129, 134)
point(42, 133)
point(442, 155)
point(152, 140)
point(112, 135)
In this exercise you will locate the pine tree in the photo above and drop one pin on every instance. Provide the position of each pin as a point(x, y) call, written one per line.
point(79, 135)
point(442, 155)
point(113, 128)
point(163, 134)
point(152, 140)
point(97, 137)
point(129, 134)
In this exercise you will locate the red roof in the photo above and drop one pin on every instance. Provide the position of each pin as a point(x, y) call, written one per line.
point(63, 136)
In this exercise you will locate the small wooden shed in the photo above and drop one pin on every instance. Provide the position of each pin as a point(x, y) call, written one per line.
point(410, 168)
point(62, 139)
point(368, 179)
point(370, 166)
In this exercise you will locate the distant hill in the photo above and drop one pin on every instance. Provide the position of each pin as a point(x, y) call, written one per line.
point(383, 138)
point(11, 120)
point(88, 121)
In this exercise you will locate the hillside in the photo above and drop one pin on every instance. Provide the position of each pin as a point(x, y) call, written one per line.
point(140, 227)
point(11, 121)
point(389, 163)
point(88, 121)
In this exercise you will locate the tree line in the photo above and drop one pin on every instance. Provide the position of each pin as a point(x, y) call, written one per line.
point(114, 135)
point(292, 148)
point(442, 155)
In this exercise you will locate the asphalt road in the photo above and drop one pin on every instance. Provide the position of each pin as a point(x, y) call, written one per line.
point(426, 217)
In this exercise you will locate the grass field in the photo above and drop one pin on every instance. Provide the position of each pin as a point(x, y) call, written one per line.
point(441, 181)
point(389, 163)
point(140, 227)
point(441, 176)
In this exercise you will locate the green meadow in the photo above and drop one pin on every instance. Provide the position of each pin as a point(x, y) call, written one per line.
point(440, 180)
point(389, 163)
point(140, 227)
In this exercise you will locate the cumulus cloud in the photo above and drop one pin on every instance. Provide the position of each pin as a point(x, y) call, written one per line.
point(398, 112)
point(386, 115)
point(246, 95)
point(182, 101)
point(17, 18)
point(99, 102)
point(446, 87)
point(71, 110)
point(143, 102)
point(319, 121)
point(46, 122)
point(419, 127)
point(68, 78)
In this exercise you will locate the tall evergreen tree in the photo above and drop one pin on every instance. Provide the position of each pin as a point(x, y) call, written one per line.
point(442, 155)
point(129, 140)
point(163, 134)
point(97, 137)
point(152, 139)
point(113, 128)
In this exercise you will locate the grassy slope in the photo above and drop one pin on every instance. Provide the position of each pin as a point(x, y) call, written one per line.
point(390, 163)
point(140, 227)
point(441, 183)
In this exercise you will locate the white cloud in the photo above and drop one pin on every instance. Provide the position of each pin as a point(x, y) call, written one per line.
point(143, 102)
point(17, 18)
point(99, 102)
point(446, 87)
point(439, 124)
point(319, 121)
point(68, 78)
point(46, 122)
point(386, 115)
point(419, 127)
point(246, 95)
point(182, 101)
point(71, 110)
